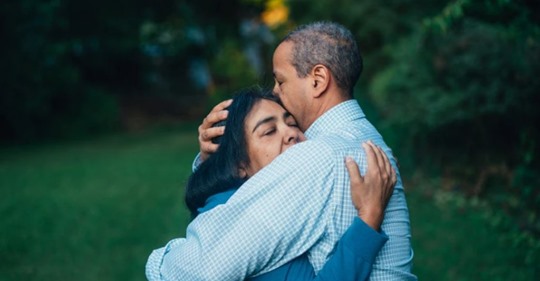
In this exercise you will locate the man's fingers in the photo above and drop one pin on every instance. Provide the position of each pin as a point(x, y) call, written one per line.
point(215, 115)
point(209, 148)
point(210, 133)
point(354, 171)
point(222, 105)
point(207, 131)
point(212, 118)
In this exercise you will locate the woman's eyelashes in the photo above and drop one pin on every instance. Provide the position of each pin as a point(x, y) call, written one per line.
point(293, 124)
point(290, 121)
point(269, 131)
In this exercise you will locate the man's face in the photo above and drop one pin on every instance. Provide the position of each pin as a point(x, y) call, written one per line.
point(288, 87)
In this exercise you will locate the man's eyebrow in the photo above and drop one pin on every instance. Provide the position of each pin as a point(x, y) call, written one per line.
point(265, 120)
point(286, 115)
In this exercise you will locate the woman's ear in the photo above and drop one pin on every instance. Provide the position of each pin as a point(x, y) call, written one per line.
point(321, 78)
point(242, 172)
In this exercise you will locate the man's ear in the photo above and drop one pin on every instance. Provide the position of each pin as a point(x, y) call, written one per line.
point(320, 79)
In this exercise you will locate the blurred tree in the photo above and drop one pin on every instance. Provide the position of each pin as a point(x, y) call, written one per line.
point(376, 24)
point(464, 89)
point(76, 68)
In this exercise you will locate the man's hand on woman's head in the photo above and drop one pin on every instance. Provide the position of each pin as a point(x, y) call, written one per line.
point(371, 193)
point(207, 132)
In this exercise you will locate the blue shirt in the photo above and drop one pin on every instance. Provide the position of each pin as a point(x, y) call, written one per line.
point(298, 203)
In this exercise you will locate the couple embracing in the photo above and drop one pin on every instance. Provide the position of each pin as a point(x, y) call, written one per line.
point(281, 197)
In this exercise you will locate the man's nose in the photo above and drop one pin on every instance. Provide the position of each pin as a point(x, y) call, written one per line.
point(275, 91)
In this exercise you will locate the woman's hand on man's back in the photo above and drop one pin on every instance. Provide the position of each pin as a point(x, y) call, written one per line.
point(370, 193)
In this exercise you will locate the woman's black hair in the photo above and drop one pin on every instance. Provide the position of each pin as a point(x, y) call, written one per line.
point(220, 172)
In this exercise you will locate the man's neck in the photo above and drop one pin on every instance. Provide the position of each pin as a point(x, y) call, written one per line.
point(321, 106)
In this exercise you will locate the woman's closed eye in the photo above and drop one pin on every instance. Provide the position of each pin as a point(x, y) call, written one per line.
point(292, 124)
point(269, 131)
point(289, 120)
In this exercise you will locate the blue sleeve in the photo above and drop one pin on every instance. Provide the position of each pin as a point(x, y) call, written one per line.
point(354, 255)
point(352, 259)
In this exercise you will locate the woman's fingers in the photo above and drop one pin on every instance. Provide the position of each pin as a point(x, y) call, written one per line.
point(372, 160)
point(380, 158)
point(388, 174)
point(354, 172)
point(387, 165)
point(371, 193)
point(385, 162)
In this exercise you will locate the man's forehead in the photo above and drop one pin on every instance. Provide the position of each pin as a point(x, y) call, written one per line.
point(283, 51)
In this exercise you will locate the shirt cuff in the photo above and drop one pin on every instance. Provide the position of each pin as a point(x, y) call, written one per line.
point(153, 265)
point(155, 261)
point(367, 242)
point(196, 162)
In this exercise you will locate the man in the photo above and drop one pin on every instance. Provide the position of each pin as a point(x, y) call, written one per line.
point(301, 201)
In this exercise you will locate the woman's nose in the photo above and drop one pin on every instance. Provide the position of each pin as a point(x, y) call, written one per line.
point(291, 135)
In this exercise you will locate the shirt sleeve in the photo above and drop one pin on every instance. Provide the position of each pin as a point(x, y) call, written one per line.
point(196, 162)
point(354, 254)
point(275, 216)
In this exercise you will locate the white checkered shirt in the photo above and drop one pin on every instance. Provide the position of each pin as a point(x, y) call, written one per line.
point(300, 202)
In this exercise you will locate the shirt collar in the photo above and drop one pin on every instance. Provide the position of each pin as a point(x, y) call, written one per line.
point(334, 118)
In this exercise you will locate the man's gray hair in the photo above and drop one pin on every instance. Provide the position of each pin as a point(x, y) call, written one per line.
point(329, 44)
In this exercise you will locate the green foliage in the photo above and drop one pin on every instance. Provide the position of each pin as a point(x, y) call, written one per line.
point(375, 24)
point(231, 71)
point(464, 88)
point(56, 71)
point(70, 68)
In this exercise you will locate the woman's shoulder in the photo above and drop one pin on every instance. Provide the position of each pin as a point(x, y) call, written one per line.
point(216, 199)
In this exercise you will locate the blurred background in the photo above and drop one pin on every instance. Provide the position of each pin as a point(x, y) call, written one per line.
point(100, 103)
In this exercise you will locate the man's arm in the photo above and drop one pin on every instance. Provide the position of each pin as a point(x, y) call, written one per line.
point(271, 243)
point(271, 219)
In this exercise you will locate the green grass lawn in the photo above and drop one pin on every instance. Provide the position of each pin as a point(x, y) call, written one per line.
point(91, 210)
point(94, 210)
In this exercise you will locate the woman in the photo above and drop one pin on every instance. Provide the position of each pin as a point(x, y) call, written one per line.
point(257, 130)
